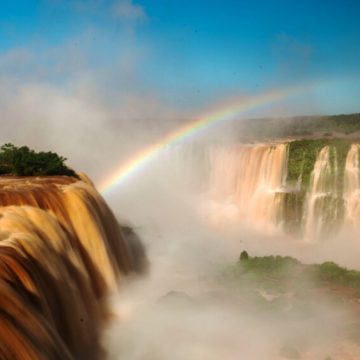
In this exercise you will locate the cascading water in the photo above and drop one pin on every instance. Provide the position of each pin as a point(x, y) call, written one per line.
point(320, 208)
point(244, 183)
point(61, 252)
point(248, 185)
point(255, 184)
point(352, 187)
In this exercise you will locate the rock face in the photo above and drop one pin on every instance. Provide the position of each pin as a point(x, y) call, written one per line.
point(61, 252)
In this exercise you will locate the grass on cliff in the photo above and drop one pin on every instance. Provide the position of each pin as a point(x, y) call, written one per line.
point(303, 153)
point(22, 161)
point(279, 271)
point(286, 290)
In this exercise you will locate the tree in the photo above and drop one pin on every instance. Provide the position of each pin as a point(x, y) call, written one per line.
point(26, 162)
point(244, 256)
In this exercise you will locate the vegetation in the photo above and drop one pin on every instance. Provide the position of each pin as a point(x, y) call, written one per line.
point(269, 266)
point(331, 273)
point(22, 161)
point(244, 256)
point(303, 153)
point(305, 126)
point(280, 271)
point(284, 289)
point(291, 212)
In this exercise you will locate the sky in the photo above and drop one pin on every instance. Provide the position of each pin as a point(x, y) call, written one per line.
point(99, 80)
point(186, 54)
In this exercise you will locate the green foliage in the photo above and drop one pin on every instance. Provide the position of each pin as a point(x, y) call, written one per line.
point(280, 268)
point(270, 265)
point(291, 213)
point(303, 153)
point(284, 288)
point(22, 161)
point(244, 256)
point(333, 273)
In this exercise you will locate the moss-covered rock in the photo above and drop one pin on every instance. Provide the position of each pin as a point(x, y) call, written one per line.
point(290, 213)
point(302, 157)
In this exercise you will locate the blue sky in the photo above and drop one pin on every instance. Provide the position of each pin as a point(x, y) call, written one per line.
point(190, 53)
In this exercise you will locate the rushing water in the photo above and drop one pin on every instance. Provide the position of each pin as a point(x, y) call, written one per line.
point(352, 187)
point(247, 180)
point(320, 207)
point(61, 252)
point(247, 184)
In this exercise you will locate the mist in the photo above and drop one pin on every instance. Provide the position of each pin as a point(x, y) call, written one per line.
point(180, 310)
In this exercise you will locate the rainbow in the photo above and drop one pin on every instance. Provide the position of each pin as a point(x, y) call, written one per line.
point(142, 158)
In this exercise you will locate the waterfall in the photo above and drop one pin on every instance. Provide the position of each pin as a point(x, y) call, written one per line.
point(247, 184)
point(244, 183)
point(321, 208)
point(309, 193)
point(61, 253)
point(352, 187)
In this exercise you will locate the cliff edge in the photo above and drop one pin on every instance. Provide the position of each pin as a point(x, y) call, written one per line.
point(61, 252)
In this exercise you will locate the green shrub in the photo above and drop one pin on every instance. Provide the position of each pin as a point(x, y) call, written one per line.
point(26, 162)
point(282, 267)
point(303, 153)
point(244, 256)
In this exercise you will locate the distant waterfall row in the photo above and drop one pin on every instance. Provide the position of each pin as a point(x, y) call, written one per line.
point(352, 187)
point(244, 182)
point(250, 184)
point(310, 188)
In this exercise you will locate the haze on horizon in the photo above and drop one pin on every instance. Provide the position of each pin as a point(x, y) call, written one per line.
point(76, 69)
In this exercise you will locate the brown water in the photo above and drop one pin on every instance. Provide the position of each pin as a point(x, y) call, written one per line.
point(61, 252)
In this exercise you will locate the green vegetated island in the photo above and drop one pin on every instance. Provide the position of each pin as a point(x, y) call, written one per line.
point(285, 273)
point(23, 161)
point(283, 288)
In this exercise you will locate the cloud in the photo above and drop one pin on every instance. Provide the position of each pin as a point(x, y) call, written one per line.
point(127, 10)
point(73, 119)
point(56, 99)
